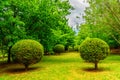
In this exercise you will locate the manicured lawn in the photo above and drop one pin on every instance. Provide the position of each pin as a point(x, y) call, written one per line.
point(67, 66)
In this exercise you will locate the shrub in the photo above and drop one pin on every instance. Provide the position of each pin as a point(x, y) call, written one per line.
point(27, 52)
point(93, 50)
point(70, 48)
point(76, 48)
point(59, 48)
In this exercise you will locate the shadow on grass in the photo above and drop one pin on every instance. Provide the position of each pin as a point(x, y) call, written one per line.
point(15, 68)
point(5, 64)
point(94, 70)
point(20, 70)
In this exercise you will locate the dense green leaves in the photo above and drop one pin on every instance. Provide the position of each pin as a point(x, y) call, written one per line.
point(59, 48)
point(27, 52)
point(41, 20)
point(102, 21)
point(11, 27)
point(94, 49)
point(44, 18)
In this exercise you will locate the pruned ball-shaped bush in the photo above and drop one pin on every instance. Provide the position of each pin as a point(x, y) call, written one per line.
point(27, 52)
point(93, 50)
point(59, 48)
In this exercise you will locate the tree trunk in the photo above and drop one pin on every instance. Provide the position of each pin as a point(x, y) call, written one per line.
point(96, 65)
point(9, 58)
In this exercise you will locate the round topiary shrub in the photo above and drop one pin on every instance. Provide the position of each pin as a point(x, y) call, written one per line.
point(93, 50)
point(27, 52)
point(59, 48)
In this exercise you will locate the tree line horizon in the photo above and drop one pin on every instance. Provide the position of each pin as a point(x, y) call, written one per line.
point(45, 21)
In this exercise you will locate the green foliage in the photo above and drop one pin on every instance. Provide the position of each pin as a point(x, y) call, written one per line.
point(70, 48)
point(35, 19)
point(11, 26)
point(44, 17)
point(94, 49)
point(27, 52)
point(76, 48)
point(102, 21)
point(59, 48)
point(64, 36)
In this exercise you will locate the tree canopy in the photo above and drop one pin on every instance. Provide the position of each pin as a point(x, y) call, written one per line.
point(102, 20)
point(41, 20)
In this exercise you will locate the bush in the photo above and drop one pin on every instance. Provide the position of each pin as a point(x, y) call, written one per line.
point(27, 52)
point(76, 48)
point(59, 48)
point(93, 50)
point(70, 48)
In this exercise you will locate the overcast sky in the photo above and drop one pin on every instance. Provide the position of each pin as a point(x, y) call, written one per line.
point(75, 17)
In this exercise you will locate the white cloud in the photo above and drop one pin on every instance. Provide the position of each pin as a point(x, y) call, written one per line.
point(75, 17)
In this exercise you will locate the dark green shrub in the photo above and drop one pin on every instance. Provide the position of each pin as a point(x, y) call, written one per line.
point(59, 48)
point(27, 52)
point(93, 50)
point(70, 48)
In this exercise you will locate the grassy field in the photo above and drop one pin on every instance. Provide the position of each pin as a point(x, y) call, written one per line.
point(67, 66)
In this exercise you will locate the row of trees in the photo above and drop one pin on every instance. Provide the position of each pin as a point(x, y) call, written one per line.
point(102, 20)
point(41, 20)
point(45, 21)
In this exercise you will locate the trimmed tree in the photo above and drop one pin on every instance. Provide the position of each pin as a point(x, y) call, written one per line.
point(27, 52)
point(59, 48)
point(93, 50)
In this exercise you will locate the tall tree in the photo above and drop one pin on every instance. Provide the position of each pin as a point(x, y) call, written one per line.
point(43, 15)
point(102, 18)
point(11, 27)
point(33, 19)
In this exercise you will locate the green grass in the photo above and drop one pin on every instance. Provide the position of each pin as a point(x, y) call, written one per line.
point(67, 66)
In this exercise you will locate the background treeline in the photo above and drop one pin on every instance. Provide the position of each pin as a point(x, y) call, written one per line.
point(41, 20)
point(45, 21)
point(102, 20)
